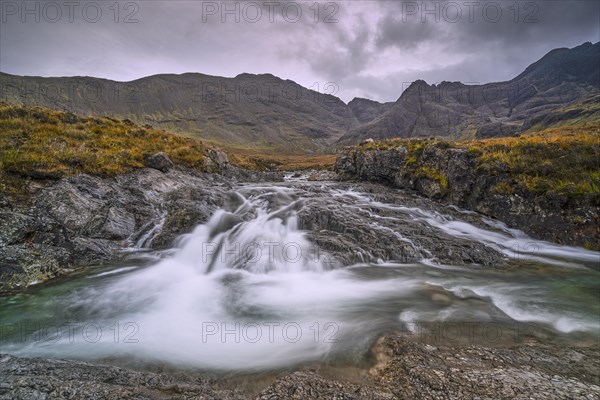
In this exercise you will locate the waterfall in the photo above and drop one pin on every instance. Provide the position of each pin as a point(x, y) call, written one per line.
point(248, 290)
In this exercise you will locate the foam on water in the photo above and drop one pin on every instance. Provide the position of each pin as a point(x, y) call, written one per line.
point(249, 291)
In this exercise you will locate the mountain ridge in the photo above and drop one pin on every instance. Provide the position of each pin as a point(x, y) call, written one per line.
point(455, 110)
point(263, 112)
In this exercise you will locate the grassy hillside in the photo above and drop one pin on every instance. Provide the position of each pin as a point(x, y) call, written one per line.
point(39, 143)
point(44, 144)
point(562, 160)
point(257, 112)
point(261, 161)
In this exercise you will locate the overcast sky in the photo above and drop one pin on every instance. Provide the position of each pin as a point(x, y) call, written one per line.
point(370, 49)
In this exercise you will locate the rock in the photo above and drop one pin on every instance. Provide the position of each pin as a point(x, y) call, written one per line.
point(73, 202)
point(159, 161)
point(366, 141)
point(441, 298)
point(23, 264)
point(430, 188)
point(217, 161)
point(371, 165)
point(186, 208)
point(117, 223)
point(343, 236)
point(89, 251)
point(219, 157)
point(38, 378)
point(84, 220)
point(451, 175)
point(412, 369)
point(405, 368)
point(305, 385)
point(15, 227)
point(320, 176)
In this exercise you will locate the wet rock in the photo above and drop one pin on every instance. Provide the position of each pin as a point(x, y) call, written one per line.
point(85, 220)
point(346, 235)
point(15, 227)
point(320, 176)
point(159, 161)
point(117, 223)
point(405, 367)
point(451, 175)
point(48, 379)
point(89, 251)
point(410, 369)
point(303, 385)
point(186, 208)
point(24, 264)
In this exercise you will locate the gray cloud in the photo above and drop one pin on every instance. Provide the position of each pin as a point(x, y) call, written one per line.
point(373, 49)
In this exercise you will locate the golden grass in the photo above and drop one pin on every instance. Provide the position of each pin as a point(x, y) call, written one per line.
point(258, 161)
point(41, 143)
point(563, 160)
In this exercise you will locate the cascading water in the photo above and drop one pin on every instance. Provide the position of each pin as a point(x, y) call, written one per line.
point(248, 291)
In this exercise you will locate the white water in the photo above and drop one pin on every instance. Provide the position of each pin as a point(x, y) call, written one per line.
point(248, 291)
point(511, 242)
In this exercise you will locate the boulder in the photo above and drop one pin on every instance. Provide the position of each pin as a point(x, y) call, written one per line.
point(159, 161)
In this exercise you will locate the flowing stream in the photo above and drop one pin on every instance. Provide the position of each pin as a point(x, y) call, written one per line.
point(250, 291)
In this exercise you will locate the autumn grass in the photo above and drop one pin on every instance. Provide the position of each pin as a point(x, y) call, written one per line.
point(39, 143)
point(44, 144)
point(259, 161)
point(562, 160)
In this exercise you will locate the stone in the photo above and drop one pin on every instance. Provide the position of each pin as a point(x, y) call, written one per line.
point(548, 217)
point(159, 161)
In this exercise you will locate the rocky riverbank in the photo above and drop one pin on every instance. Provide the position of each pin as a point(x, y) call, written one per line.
point(467, 176)
point(403, 368)
point(55, 227)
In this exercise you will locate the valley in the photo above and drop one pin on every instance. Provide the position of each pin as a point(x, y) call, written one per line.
point(192, 236)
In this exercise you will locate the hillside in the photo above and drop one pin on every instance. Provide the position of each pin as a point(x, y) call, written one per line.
point(367, 110)
point(263, 114)
point(246, 112)
point(42, 144)
point(562, 78)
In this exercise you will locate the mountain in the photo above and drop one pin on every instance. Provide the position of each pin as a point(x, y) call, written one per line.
point(265, 113)
point(367, 110)
point(246, 112)
point(560, 79)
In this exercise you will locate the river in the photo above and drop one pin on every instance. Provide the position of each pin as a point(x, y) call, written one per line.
point(251, 290)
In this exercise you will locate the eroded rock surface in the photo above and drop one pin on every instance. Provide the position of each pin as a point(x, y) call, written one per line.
point(452, 177)
point(86, 220)
point(405, 369)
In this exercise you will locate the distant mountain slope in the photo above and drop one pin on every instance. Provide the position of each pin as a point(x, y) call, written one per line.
point(367, 110)
point(265, 113)
point(454, 110)
point(248, 111)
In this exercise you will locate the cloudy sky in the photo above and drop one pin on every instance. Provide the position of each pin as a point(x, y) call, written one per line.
point(371, 49)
